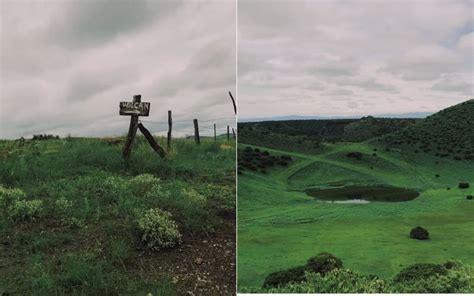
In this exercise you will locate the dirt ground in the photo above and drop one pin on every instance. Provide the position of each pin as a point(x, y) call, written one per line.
point(199, 266)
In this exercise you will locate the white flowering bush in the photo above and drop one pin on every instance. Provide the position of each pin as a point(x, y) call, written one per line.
point(158, 193)
point(16, 208)
point(114, 186)
point(192, 195)
point(63, 206)
point(143, 183)
point(158, 229)
point(25, 210)
point(10, 196)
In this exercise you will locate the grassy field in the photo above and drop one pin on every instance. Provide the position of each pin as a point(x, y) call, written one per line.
point(72, 224)
point(281, 227)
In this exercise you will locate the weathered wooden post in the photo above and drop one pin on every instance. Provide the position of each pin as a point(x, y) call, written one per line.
point(132, 130)
point(228, 135)
point(215, 133)
point(170, 126)
point(233, 132)
point(233, 102)
point(152, 141)
point(134, 109)
point(196, 132)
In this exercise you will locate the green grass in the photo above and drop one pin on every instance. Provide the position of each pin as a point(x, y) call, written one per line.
point(85, 239)
point(281, 227)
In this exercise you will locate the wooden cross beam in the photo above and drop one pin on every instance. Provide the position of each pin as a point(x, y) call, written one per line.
point(134, 109)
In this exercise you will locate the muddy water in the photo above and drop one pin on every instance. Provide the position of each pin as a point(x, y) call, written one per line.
point(363, 194)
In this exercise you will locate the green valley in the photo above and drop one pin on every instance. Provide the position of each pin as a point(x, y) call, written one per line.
point(281, 225)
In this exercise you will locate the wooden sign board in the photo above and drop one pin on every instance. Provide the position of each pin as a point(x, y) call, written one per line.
point(135, 108)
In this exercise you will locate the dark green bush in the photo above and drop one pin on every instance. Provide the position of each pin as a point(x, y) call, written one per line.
point(419, 233)
point(324, 262)
point(321, 263)
point(283, 277)
point(463, 185)
point(420, 271)
point(453, 277)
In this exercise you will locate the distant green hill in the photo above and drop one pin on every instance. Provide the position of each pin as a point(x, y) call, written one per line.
point(448, 133)
point(306, 135)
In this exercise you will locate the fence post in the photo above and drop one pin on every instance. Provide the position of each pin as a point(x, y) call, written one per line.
point(215, 133)
point(196, 132)
point(132, 131)
point(228, 135)
point(233, 132)
point(170, 126)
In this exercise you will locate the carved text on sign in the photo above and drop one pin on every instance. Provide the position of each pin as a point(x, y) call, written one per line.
point(135, 108)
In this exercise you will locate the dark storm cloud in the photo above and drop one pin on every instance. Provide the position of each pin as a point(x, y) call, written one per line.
point(353, 57)
point(66, 65)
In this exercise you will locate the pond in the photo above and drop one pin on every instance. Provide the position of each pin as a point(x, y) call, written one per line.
point(363, 194)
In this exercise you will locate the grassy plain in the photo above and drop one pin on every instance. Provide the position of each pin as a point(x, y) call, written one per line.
point(83, 240)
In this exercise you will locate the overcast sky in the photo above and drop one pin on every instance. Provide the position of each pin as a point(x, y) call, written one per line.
point(66, 65)
point(333, 58)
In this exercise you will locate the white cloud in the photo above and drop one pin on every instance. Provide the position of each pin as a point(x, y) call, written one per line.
point(363, 57)
point(466, 42)
point(66, 65)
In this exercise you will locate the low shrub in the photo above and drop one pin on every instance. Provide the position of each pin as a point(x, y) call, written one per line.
point(191, 209)
point(419, 233)
point(418, 278)
point(420, 271)
point(143, 183)
point(10, 196)
point(324, 262)
point(434, 278)
point(220, 199)
point(321, 264)
point(25, 210)
point(16, 208)
point(158, 230)
point(335, 281)
point(62, 206)
point(463, 185)
point(283, 277)
point(469, 197)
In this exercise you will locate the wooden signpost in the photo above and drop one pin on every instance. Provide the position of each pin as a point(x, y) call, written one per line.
point(135, 109)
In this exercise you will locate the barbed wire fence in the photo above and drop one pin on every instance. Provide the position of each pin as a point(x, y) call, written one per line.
point(137, 108)
point(192, 127)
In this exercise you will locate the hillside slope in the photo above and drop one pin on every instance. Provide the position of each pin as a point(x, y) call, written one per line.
point(306, 135)
point(448, 133)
